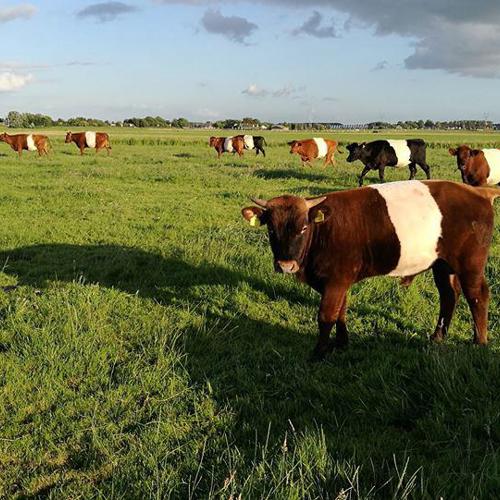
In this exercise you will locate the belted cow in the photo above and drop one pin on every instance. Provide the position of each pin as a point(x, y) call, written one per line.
point(256, 142)
point(227, 145)
point(395, 229)
point(310, 149)
point(377, 155)
point(28, 142)
point(92, 140)
point(478, 167)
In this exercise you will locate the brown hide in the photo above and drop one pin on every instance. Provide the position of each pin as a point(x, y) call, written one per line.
point(101, 141)
point(19, 142)
point(307, 149)
point(472, 165)
point(355, 239)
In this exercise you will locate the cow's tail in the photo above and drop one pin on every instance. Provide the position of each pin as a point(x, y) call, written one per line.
point(51, 148)
point(339, 150)
point(264, 141)
point(490, 193)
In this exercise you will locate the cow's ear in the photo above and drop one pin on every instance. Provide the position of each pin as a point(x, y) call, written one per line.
point(291, 143)
point(452, 151)
point(254, 215)
point(319, 214)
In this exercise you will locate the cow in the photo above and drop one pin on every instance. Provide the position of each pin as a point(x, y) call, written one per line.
point(478, 167)
point(377, 155)
point(227, 145)
point(256, 142)
point(396, 229)
point(29, 142)
point(310, 149)
point(93, 140)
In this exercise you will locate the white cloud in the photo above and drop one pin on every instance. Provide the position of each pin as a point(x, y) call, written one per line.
point(11, 81)
point(253, 90)
point(457, 36)
point(23, 11)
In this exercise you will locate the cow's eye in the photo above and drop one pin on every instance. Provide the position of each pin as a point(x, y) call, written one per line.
point(303, 230)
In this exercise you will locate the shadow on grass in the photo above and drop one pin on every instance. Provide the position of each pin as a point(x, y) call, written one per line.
point(373, 402)
point(290, 173)
point(129, 269)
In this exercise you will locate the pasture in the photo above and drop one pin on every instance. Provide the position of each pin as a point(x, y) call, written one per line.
point(148, 350)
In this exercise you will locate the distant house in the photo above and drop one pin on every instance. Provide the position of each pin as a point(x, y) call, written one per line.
point(496, 126)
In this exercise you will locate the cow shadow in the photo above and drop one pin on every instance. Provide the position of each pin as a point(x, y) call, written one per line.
point(290, 174)
point(258, 371)
point(183, 155)
point(131, 270)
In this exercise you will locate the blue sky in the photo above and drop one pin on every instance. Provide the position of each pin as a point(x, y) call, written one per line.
point(322, 60)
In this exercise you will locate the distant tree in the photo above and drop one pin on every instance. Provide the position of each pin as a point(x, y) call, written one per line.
point(180, 123)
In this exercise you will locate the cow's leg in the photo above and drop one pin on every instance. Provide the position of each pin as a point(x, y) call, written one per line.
point(366, 169)
point(413, 170)
point(342, 337)
point(20, 152)
point(449, 291)
point(381, 173)
point(81, 150)
point(331, 312)
point(263, 152)
point(477, 294)
point(426, 169)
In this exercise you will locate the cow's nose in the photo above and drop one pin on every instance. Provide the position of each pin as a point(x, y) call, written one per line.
point(288, 266)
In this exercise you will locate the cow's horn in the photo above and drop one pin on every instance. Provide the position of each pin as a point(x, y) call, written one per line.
point(261, 203)
point(315, 201)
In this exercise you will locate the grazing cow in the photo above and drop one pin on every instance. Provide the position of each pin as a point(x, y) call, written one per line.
point(377, 155)
point(256, 142)
point(395, 229)
point(310, 149)
point(29, 142)
point(93, 140)
point(227, 145)
point(479, 167)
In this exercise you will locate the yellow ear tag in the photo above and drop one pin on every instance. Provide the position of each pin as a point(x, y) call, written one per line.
point(320, 217)
point(254, 221)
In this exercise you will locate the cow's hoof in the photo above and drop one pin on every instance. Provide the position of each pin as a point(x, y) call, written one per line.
point(321, 351)
point(437, 338)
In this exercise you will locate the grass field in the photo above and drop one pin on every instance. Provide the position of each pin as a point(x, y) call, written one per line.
point(149, 351)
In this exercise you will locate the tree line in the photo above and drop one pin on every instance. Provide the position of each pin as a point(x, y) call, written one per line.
point(15, 119)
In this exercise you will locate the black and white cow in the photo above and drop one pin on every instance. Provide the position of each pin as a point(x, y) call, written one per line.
point(256, 142)
point(377, 155)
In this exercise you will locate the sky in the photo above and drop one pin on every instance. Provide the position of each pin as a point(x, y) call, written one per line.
point(349, 61)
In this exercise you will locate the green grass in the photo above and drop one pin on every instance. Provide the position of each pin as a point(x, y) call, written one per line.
point(149, 351)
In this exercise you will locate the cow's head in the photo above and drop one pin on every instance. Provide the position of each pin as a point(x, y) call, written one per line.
point(294, 146)
point(213, 141)
point(69, 137)
point(3, 136)
point(355, 151)
point(290, 221)
point(465, 156)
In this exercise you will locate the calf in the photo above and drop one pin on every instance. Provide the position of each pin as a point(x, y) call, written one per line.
point(395, 229)
point(478, 167)
point(256, 142)
point(29, 142)
point(310, 149)
point(227, 145)
point(377, 155)
point(93, 140)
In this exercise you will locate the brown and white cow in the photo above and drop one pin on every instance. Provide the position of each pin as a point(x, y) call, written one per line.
point(310, 149)
point(228, 145)
point(478, 167)
point(29, 142)
point(394, 229)
point(92, 140)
